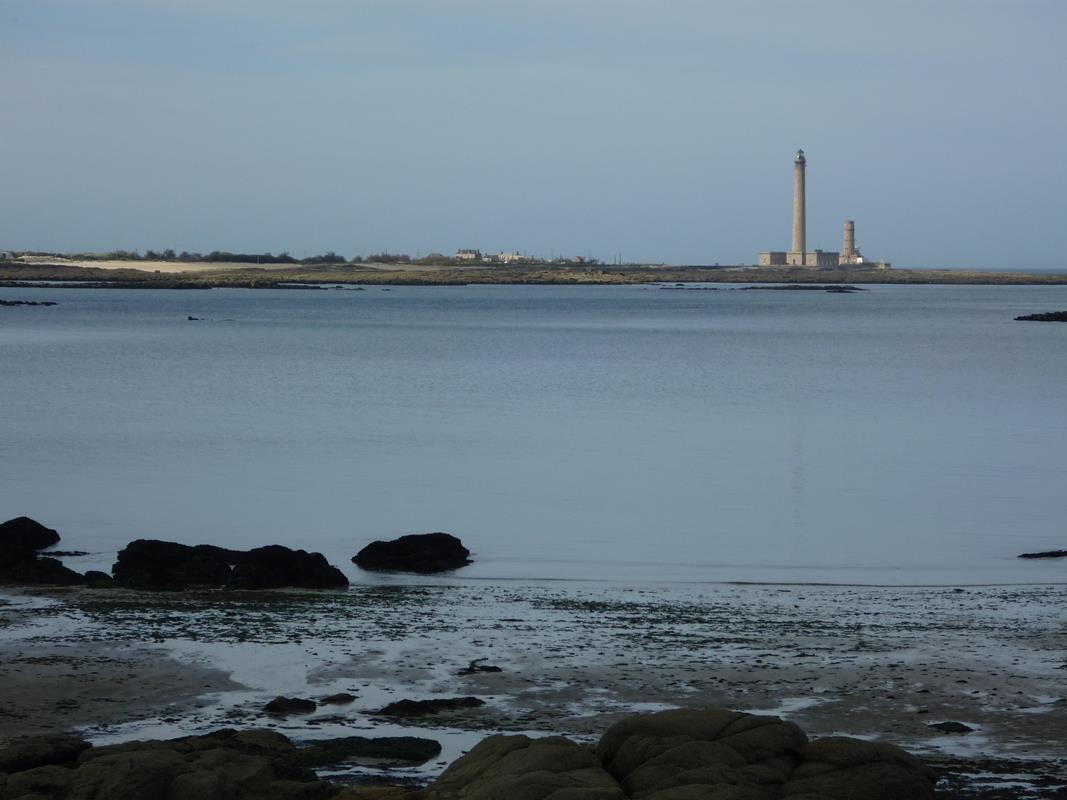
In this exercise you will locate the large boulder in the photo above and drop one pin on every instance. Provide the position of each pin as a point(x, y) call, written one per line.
point(155, 565)
point(689, 752)
point(223, 765)
point(683, 754)
point(521, 768)
point(27, 534)
point(168, 566)
point(29, 752)
point(128, 775)
point(418, 552)
point(39, 570)
point(21, 538)
point(840, 768)
point(275, 566)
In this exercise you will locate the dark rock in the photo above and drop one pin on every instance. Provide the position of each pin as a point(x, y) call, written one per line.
point(414, 708)
point(168, 566)
point(401, 750)
point(1052, 316)
point(21, 538)
point(290, 705)
point(129, 775)
point(803, 287)
point(28, 303)
point(28, 752)
point(168, 770)
point(475, 666)
point(728, 754)
point(521, 768)
point(1046, 554)
point(656, 754)
point(951, 727)
point(340, 698)
point(46, 571)
point(223, 765)
point(684, 754)
point(96, 579)
point(41, 783)
point(840, 768)
point(274, 566)
point(419, 552)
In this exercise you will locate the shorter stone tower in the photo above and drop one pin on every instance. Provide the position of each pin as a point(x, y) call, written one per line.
point(849, 248)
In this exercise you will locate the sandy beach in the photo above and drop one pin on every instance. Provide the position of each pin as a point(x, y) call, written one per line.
point(879, 663)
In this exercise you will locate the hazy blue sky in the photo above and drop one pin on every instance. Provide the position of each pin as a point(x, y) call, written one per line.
point(659, 130)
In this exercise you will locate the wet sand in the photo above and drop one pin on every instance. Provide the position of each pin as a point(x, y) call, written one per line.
point(48, 688)
point(872, 662)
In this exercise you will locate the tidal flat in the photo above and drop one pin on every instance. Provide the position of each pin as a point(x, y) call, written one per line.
point(872, 662)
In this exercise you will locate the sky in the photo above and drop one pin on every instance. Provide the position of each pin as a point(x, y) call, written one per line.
point(651, 131)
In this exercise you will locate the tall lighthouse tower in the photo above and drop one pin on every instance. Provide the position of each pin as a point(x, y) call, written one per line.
point(796, 255)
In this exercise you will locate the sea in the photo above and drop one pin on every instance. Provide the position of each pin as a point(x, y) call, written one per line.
point(631, 435)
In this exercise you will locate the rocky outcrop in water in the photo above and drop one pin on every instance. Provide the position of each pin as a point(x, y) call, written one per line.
point(418, 708)
point(1046, 554)
point(284, 706)
point(40, 571)
point(155, 565)
point(169, 566)
point(20, 562)
point(424, 553)
point(26, 535)
point(274, 567)
point(1052, 316)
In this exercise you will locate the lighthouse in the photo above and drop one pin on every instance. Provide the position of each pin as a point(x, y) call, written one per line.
point(796, 255)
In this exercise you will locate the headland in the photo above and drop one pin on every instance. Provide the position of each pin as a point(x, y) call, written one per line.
point(140, 274)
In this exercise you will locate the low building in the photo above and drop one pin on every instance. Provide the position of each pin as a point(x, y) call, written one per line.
point(468, 255)
point(817, 259)
point(510, 258)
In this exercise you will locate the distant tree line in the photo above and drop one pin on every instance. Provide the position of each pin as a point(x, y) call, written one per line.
point(225, 256)
point(215, 256)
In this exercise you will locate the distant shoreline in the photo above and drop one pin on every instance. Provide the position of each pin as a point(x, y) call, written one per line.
point(197, 275)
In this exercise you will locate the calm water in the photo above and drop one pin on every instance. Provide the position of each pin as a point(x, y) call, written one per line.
point(900, 435)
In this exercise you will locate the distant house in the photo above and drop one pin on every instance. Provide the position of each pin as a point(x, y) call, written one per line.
point(6, 255)
point(468, 255)
point(510, 258)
